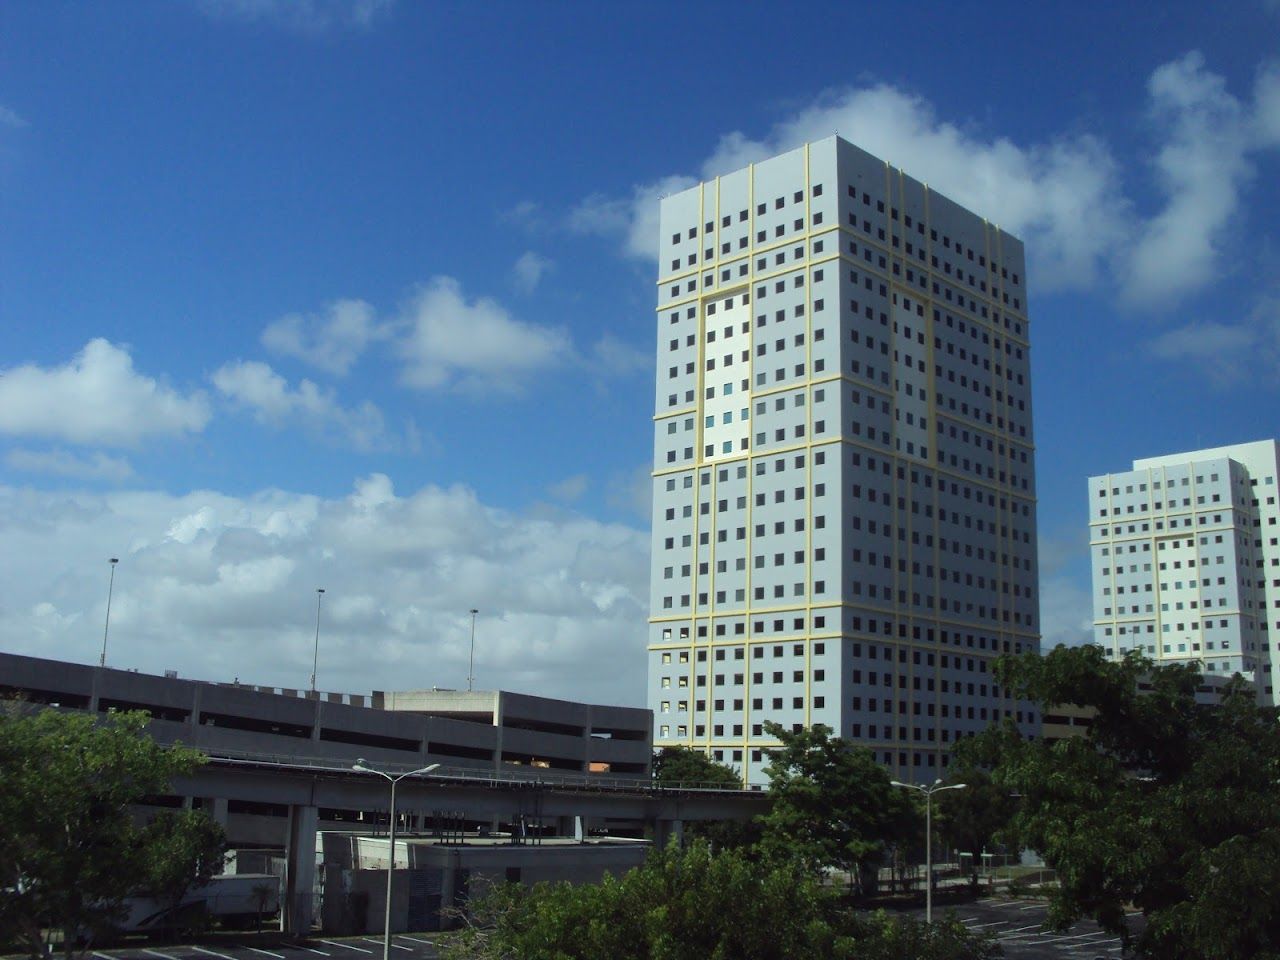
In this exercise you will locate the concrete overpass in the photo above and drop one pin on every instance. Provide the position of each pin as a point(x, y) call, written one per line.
point(306, 788)
point(280, 760)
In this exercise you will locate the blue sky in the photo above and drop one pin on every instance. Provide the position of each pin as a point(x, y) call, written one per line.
point(360, 295)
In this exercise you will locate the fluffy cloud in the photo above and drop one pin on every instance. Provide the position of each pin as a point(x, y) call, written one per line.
point(617, 358)
point(1231, 353)
point(450, 341)
point(302, 16)
point(10, 117)
point(1202, 168)
point(1063, 196)
point(254, 386)
point(332, 342)
point(570, 488)
point(97, 399)
point(529, 270)
point(62, 463)
point(218, 586)
point(1066, 613)
point(634, 219)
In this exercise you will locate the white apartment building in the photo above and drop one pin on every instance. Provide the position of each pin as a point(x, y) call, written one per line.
point(1186, 560)
point(844, 475)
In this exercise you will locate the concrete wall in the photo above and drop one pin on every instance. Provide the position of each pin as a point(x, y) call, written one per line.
point(443, 878)
point(534, 733)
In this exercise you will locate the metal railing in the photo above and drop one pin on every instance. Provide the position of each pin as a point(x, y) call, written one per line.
point(471, 776)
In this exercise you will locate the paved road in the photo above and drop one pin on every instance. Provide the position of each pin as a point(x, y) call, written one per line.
point(403, 947)
point(1014, 923)
point(1016, 926)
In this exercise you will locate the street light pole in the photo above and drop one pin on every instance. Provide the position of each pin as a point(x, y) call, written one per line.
point(471, 665)
point(363, 767)
point(315, 657)
point(929, 791)
point(111, 585)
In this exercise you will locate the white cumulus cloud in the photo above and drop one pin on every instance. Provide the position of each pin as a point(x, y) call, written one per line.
point(1064, 195)
point(634, 218)
point(254, 386)
point(331, 342)
point(1245, 351)
point(217, 586)
point(302, 16)
point(1202, 168)
point(63, 463)
point(529, 270)
point(96, 399)
point(11, 118)
point(449, 341)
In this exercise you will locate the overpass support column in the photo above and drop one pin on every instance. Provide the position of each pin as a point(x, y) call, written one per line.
point(570, 826)
point(216, 807)
point(300, 870)
point(668, 831)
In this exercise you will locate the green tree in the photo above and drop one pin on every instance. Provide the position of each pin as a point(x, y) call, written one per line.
point(972, 819)
point(1165, 804)
point(833, 805)
point(682, 766)
point(693, 904)
point(69, 850)
point(179, 851)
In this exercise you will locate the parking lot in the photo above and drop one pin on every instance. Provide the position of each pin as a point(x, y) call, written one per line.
point(1016, 926)
point(403, 946)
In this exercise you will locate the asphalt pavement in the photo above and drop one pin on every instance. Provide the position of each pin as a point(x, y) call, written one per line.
point(1016, 926)
point(403, 947)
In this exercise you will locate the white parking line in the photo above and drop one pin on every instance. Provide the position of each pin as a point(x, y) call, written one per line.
point(314, 950)
point(212, 953)
point(157, 953)
point(1078, 936)
point(1034, 906)
point(103, 956)
point(405, 936)
point(266, 953)
point(396, 945)
point(993, 923)
point(334, 943)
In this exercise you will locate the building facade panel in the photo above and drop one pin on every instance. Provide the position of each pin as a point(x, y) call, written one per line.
point(844, 525)
point(1186, 563)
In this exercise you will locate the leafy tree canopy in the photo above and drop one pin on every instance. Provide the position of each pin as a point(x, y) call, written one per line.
point(179, 851)
point(971, 820)
point(833, 805)
point(695, 905)
point(69, 849)
point(682, 766)
point(1165, 804)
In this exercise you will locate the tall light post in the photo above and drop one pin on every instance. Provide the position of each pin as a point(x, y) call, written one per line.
point(315, 656)
point(471, 665)
point(929, 791)
point(111, 585)
point(363, 767)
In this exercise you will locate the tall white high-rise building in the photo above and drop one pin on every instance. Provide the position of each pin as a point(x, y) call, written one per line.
point(844, 476)
point(1186, 560)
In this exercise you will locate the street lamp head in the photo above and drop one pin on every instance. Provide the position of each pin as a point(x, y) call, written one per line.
point(428, 768)
point(115, 560)
point(899, 783)
point(319, 589)
point(361, 766)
